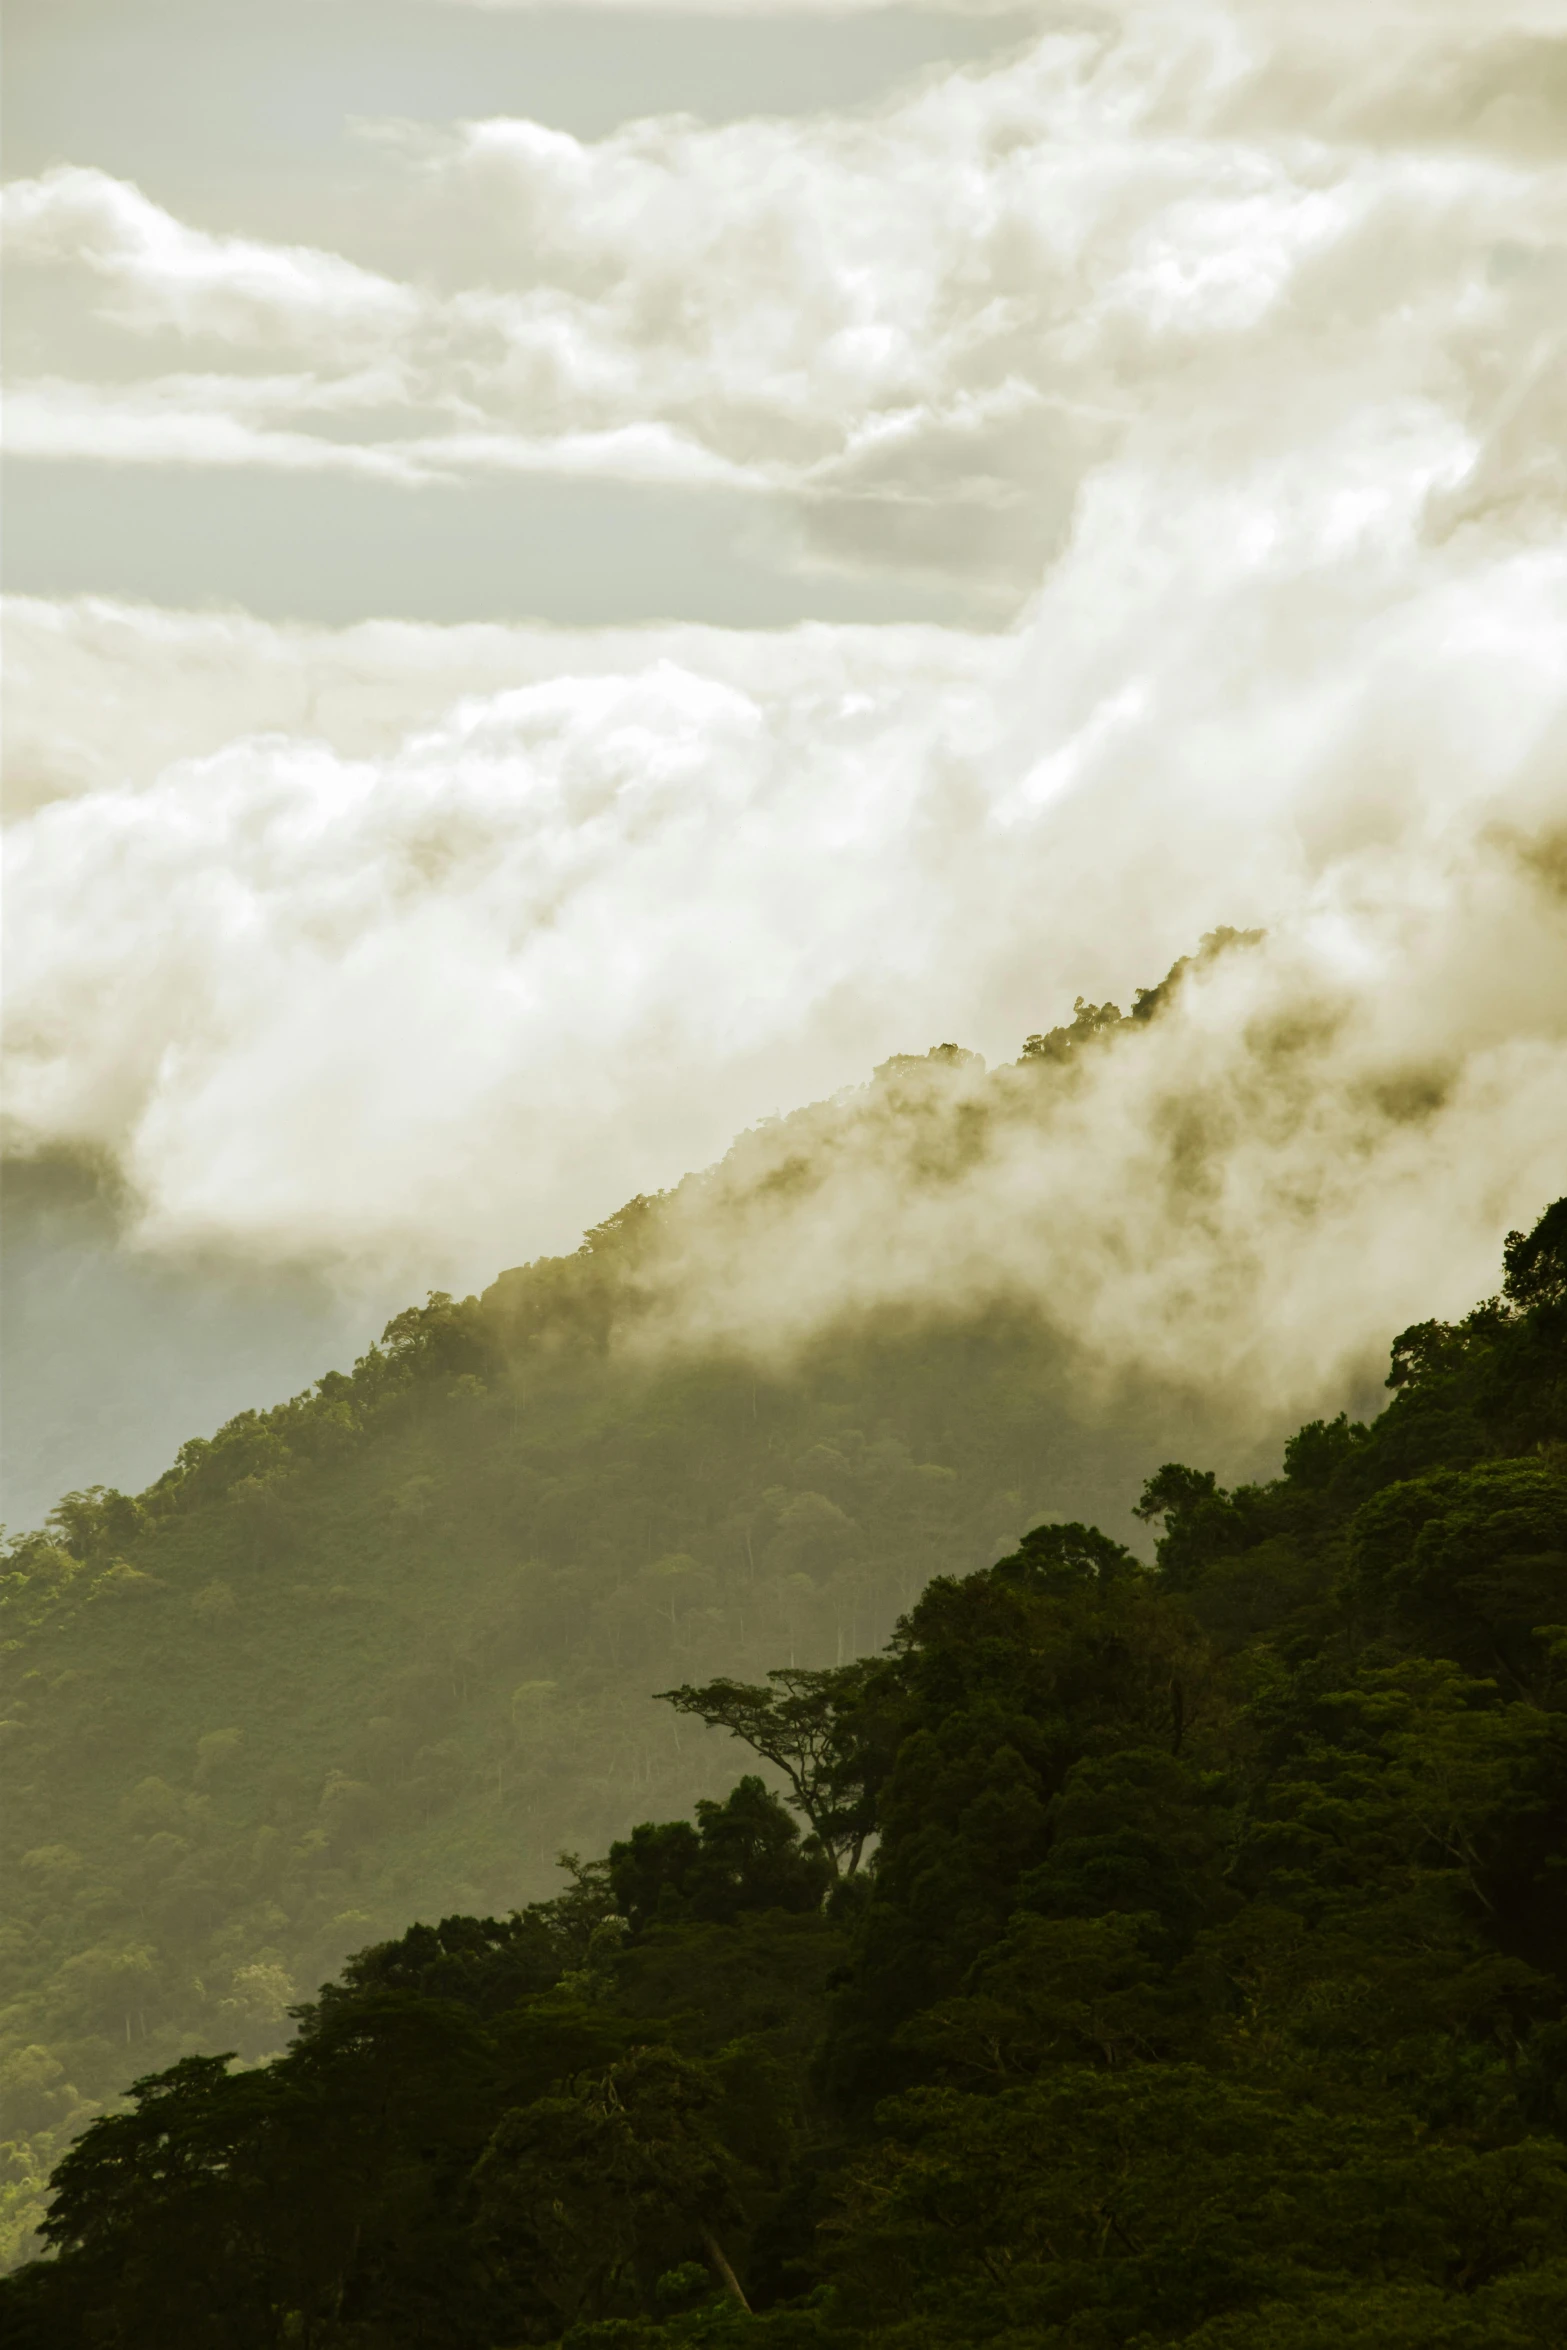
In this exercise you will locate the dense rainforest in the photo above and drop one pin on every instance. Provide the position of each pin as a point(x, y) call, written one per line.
point(387, 1648)
point(1134, 1955)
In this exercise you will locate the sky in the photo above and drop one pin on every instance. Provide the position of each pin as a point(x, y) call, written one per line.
point(577, 577)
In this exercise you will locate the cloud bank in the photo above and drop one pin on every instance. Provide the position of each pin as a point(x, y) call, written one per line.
point(1225, 341)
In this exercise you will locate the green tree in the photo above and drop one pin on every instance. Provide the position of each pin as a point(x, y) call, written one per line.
point(600, 2187)
point(804, 1722)
point(743, 1854)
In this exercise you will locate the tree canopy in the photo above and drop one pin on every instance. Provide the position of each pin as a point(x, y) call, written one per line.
point(1201, 1981)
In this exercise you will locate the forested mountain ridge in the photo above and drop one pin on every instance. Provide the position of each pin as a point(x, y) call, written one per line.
point(1205, 1985)
point(389, 1645)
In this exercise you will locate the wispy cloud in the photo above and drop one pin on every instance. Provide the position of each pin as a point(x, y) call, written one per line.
point(919, 328)
point(160, 273)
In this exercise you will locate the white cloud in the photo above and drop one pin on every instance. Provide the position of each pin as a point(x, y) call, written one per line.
point(103, 696)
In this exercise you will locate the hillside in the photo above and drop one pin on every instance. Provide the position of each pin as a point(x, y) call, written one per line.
point(1203, 1983)
point(389, 1647)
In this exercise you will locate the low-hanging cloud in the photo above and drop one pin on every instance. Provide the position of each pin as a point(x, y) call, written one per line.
point(1246, 343)
point(1241, 1200)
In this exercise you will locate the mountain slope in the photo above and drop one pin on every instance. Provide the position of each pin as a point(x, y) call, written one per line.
point(1205, 1986)
point(389, 1646)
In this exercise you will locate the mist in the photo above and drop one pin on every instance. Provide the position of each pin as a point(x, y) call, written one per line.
point(1208, 360)
point(112, 1355)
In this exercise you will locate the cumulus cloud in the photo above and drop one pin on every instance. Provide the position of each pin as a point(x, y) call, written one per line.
point(543, 884)
point(1233, 334)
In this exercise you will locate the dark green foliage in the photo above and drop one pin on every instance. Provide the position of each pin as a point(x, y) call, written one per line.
point(1535, 1263)
point(743, 1854)
point(1067, 1558)
point(1470, 1564)
point(455, 2168)
point(1203, 1982)
point(390, 1647)
point(1137, 2205)
point(593, 2194)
